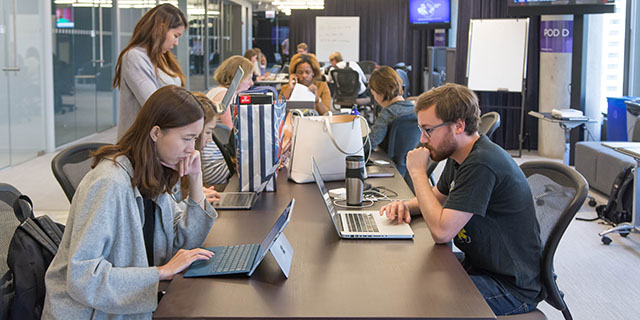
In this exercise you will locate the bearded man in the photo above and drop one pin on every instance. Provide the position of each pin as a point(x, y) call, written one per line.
point(482, 201)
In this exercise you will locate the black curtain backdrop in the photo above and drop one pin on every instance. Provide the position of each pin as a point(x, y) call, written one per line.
point(302, 28)
point(509, 103)
point(385, 36)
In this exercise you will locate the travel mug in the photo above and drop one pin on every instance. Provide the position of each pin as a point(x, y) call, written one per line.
point(354, 180)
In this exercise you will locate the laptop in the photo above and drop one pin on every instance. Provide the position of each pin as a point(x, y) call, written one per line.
point(231, 91)
point(360, 224)
point(245, 258)
point(244, 200)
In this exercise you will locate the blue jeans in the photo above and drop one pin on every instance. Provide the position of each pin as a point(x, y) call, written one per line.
point(498, 297)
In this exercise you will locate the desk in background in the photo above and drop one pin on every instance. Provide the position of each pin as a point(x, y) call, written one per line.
point(330, 277)
point(566, 125)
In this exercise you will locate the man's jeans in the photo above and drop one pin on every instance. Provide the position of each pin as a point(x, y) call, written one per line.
point(498, 297)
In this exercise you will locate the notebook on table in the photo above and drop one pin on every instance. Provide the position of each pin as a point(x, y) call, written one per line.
point(245, 258)
point(360, 224)
point(244, 200)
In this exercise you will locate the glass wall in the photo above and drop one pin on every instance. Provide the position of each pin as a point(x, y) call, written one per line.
point(82, 70)
point(22, 126)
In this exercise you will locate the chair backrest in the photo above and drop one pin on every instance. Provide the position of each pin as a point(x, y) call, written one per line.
point(72, 164)
point(8, 225)
point(558, 192)
point(405, 81)
point(489, 122)
point(404, 135)
point(367, 66)
point(225, 141)
point(347, 84)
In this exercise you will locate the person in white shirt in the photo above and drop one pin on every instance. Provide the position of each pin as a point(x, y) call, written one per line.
point(337, 62)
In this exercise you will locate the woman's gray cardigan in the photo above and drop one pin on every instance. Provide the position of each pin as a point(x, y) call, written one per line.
point(101, 269)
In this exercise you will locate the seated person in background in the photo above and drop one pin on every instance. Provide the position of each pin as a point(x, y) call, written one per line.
point(302, 48)
point(254, 56)
point(206, 137)
point(336, 62)
point(386, 88)
point(124, 233)
point(214, 168)
point(482, 201)
point(305, 70)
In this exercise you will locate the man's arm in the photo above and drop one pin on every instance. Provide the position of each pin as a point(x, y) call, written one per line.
point(444, 224)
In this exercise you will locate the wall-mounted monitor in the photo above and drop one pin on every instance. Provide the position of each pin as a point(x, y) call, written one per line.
point(540, 7)
point(64, 17)
point(430, 13)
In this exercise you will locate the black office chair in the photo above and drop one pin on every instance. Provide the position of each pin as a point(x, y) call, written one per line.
point(347, 85)
point(367, 67)
point(225, 141)
point(404, 135)
point(558, 193)
point(72, 164)
point(489, 122)
point(405, 81)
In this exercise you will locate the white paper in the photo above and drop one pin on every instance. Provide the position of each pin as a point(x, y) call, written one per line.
point(302, 93)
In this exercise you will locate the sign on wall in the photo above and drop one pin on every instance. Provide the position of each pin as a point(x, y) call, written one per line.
point(556, 36)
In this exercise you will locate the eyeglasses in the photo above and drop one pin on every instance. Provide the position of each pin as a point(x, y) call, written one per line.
point(427, 131)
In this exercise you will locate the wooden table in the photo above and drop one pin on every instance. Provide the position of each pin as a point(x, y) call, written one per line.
point(330, 277)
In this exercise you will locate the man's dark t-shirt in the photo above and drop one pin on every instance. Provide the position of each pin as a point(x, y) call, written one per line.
point(502, 239)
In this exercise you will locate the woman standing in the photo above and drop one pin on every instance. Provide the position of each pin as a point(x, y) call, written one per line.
point(146, 63)
point(124, 232)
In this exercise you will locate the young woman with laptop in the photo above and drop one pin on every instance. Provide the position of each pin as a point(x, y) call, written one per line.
point(124, 232)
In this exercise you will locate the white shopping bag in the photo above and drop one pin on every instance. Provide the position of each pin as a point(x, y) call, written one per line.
point(328, 139)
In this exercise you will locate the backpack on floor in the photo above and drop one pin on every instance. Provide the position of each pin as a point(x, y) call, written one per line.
point(33, 246)
point(620, 206)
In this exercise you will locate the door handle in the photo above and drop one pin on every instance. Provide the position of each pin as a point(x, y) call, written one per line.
point(11, 69)
point(88, 76)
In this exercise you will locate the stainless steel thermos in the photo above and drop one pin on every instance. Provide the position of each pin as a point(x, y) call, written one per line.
point(354, 180)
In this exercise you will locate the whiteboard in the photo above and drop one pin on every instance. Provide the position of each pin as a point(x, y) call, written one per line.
point(340, 34)
point(497, 55)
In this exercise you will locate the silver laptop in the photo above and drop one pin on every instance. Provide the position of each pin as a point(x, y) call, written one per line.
point(360, 224)
point(231, 91)
point(244, 200)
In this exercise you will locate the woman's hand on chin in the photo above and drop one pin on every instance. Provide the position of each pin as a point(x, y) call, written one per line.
point(188, 166)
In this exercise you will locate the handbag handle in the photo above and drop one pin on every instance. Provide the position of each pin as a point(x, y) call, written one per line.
point(335, 143)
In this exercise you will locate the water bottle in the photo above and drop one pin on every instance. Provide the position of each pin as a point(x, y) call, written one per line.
point(354, 180)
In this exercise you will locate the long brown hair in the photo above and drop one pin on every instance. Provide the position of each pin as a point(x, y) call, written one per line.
point(169, 107)
point(209, 113)
point(150, 33)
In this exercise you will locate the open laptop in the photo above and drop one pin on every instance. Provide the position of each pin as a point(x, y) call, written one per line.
point(360, 224)
point(245, 258)
point(244, 200)
point(231, 91)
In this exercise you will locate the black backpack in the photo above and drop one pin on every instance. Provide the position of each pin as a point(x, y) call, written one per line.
point(33, 246)
point(620, 206)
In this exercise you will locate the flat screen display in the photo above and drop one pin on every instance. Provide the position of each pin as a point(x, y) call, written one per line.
point(539, 7)
point(430, 13)
point(64, 17)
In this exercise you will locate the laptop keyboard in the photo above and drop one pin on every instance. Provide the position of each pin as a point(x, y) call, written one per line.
point(234, 258)
point(361, 222)
point(236, 199)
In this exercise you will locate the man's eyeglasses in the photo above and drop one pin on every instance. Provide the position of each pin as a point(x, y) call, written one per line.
point(428, 131)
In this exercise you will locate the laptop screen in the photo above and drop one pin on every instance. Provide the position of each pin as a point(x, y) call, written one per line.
point(231, 91)
point(323, 189)
point(277, 228)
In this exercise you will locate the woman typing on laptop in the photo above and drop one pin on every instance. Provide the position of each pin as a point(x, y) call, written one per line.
point(124, 232)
